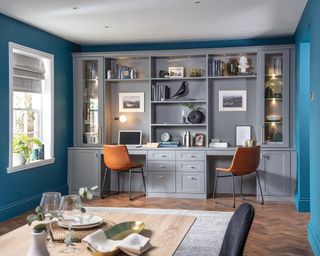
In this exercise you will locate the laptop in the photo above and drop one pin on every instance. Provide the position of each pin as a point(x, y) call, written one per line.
point(130, 138)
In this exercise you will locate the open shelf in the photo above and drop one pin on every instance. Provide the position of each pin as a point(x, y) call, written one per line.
point(233, 77)
point(128, 80)
point(179, 125)
point(177, 78)
point(178, 101)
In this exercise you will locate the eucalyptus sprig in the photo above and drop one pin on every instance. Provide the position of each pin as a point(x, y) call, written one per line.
point(87, 193)
point(192, 106)
point(38, 216)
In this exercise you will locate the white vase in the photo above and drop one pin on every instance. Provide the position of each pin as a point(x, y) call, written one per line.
point(39, 245)
point(18, 159)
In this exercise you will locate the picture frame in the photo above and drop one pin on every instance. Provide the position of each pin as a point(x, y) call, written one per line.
point(243, 133)
point(176, 72)
point(233, 100)
point(131, 102)
point(199, 140)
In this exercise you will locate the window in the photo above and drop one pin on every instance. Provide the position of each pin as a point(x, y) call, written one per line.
point(31, 108)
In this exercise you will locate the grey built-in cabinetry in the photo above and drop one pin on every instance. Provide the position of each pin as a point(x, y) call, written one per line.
point(269, 85)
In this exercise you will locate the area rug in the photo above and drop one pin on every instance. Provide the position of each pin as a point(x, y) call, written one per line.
point(203, 239)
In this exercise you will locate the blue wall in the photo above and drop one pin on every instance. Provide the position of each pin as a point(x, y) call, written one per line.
point(309, 24)
point(21, 191)
point(187, 45)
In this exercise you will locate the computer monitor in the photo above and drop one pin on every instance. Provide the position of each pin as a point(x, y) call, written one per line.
point(129, 138)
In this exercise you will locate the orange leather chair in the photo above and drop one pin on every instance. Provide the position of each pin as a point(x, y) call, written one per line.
point(245, 161)
point(117, 158)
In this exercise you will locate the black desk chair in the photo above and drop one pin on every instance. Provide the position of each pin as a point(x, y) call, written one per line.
point(237, 231)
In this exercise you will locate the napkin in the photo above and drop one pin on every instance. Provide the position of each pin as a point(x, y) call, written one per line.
point(133, 245)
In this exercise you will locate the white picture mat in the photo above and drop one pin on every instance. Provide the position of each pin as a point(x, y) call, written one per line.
point(233, 93)
point(138, 96)
point(243, 133)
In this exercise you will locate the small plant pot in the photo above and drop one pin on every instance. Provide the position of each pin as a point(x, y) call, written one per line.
point(38, 244)
point(18, 159)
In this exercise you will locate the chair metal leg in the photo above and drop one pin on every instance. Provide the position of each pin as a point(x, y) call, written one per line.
point(130, 175)
point(234, 197)
point(262, 200)
point(104, 181)
point(144, 182)
point(241, 187)
point(215, 185)
point(118, 182)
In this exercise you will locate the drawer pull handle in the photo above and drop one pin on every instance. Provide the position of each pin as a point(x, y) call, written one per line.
point(161, 177)
point(192, 178)
point(192, 156)
point(164, 155)
point(192, 167)
point(162, 166)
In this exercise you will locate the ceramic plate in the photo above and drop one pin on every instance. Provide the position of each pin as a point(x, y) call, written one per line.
point(119, 232)
point(87, 221)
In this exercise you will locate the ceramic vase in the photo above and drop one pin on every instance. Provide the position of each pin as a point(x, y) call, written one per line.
point(18, 159)
point(38, 244)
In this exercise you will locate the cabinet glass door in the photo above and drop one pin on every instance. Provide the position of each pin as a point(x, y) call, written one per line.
point(276, 98)
point(90, 102)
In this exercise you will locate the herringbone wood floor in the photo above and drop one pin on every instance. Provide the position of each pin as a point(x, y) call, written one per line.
point(277, 228)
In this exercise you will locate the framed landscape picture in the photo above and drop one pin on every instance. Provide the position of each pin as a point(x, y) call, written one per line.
point(131, 102)
point(235, 100)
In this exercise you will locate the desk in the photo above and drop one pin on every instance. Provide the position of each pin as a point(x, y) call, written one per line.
point(165, 231)
point(171, 177)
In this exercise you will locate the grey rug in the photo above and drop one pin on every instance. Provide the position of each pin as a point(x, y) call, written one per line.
point(205, 236)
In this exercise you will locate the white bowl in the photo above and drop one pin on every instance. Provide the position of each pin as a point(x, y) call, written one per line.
point(273, 118)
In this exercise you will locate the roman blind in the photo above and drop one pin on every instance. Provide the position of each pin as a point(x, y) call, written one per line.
point(28, 73)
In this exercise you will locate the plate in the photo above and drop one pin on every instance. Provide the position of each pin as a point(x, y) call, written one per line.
point(87, 221)
point(119, 232)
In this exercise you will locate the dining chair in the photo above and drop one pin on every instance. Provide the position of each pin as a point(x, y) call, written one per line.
point(245, 161)
point(237, 231)
point(117, 158)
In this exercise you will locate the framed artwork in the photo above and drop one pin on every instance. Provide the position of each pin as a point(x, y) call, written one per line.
point(131, 102)
point(243, 133)
point(176, 72)
point(235, 100)
point(199, 140)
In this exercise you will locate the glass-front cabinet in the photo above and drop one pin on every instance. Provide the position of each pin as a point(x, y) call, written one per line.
point(274, 90)
point(88, 101)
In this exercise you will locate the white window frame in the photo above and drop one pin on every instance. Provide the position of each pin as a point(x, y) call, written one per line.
point(12, 47)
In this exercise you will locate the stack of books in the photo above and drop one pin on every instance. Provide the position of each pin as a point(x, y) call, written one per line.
point(160, 92)
point(169, 144)
point(217, 67)
point(218, 144)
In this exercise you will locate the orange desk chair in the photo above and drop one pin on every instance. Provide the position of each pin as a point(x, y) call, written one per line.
point(117, 158)
point(245, 161)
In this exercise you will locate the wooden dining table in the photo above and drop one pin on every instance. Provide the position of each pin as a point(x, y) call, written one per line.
point(166, 232)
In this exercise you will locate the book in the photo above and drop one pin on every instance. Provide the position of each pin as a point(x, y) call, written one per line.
point(218, 145)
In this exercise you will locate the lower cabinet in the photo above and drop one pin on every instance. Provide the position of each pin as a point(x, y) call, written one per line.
point(161, 182)
point(190, 182)
point(275, 174)
point(83, 169)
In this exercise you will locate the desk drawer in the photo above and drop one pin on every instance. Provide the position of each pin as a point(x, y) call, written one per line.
point(161, 182)
point(190, 166)
point(161, 166)
point(161, 155)
point(190, 155)
point(188, 182)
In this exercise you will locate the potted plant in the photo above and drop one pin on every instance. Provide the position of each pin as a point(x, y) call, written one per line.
point(22, 148)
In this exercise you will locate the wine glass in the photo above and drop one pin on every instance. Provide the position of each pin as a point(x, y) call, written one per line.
point(50, 203)
point(70, 209)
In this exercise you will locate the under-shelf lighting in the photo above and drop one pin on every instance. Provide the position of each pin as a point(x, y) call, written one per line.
point(121, 119)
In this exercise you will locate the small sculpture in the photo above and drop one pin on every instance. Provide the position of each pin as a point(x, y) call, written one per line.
point(243, 64)
point(182, 91)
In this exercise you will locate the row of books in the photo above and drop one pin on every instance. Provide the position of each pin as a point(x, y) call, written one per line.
point(160, 92)
point(216, 68)
point(169, 144)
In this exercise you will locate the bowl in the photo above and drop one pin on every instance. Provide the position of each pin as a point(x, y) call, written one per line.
point(273, 118)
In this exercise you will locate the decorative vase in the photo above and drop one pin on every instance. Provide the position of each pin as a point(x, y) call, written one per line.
point(18, 159)
point(195, 117)
point(38, 244)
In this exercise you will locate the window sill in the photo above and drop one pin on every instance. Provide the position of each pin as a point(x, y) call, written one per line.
point(30, 165)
